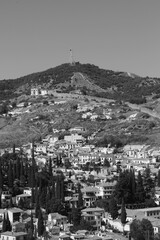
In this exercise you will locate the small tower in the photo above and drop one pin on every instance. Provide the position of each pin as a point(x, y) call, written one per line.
point(71, 59)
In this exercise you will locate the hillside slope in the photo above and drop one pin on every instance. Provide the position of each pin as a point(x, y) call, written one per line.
point(98, 82)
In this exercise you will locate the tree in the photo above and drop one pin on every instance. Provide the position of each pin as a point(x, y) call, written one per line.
point(123, 189)
point(123, 213)
point(10, 175)
point(102, 203)
point(18, 167)
point(136, 231)
point(147, 228)
point(148, 182)
point(113, 209)
point(80, 200)
point(106, 163)
point(41, 227)
point(56, 205)
point(32, 225)
point(140, 192)
point(37, 209)
point(158, 178)
point(1, 177)
point(8, 224)
point(75, 216)
point(141, 230)
point(4, 225)
point(21, 203)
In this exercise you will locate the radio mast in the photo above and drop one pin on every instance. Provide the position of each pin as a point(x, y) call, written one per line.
point(71, 58)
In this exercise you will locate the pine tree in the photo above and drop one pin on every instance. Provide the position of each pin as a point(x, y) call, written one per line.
point(113, 209)
point(41, 227)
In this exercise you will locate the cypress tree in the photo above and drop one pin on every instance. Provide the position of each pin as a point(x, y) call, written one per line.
point(58, 188)
point(14, 171)
point(158, 178)
point(53, 192)
point(113, 209)
point(50, 167)
point(75, 216)
point(133, 185)
point(14, 148)
point(62, 189)
point(148, 182)
point(41, 227)
point(123, 213)
point(10, 175)
point(1, 177)
point(21, 169)
point(42, 196)
point(32, 226)
point(18, 168)
point(32, 198)
point(8, 224)
point(80, 200)
point(10, 203)
point(37, 209)
point(4, 225)
point(140, 192)
point(29, 176)
point(48, 199)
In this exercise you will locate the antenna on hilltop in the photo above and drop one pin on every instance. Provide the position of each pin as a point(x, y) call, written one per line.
point(71, 58)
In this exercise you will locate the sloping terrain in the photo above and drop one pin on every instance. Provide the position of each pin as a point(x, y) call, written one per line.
point(94, 86)
point(98, 82)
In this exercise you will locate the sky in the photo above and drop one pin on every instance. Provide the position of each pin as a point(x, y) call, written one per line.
point(120, 35)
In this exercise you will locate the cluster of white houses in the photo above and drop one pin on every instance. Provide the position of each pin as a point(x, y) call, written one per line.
point(74, 149)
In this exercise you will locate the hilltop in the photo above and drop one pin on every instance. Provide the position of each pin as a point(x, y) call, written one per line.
point(89, 79)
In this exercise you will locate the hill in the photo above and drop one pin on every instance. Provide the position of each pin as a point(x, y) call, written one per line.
point(127, 105)
point(91, 81)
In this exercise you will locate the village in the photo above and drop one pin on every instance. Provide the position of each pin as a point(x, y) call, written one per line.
point(95, 170)
point(89, 178)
